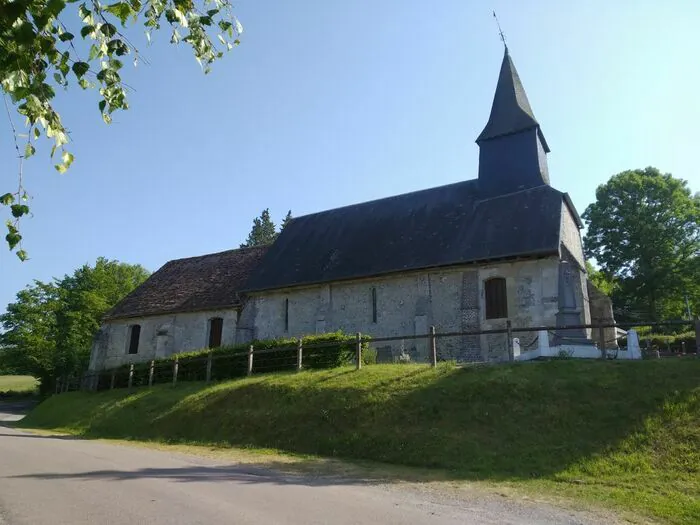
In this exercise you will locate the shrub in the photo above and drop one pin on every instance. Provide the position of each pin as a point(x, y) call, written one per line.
point(272, 355)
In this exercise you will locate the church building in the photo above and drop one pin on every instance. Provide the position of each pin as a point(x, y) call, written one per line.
point(462, 257)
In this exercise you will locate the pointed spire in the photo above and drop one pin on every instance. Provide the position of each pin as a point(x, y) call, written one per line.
point(511, 111)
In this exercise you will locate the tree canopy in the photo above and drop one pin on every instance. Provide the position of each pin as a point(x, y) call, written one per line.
point(50, 327)
point(644, 232)
point(50, 44)
point(264, 230)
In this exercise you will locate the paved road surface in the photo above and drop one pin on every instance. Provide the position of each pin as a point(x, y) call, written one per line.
point(57, 480)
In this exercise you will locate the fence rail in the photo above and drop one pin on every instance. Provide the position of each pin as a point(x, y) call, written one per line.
point(362, 350)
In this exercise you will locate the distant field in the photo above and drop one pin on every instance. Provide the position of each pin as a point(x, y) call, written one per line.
point(20, 384)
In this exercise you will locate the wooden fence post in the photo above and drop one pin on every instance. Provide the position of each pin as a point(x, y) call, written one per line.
point(151, 371)
point(509, 334)
point(209, 360)
point(358, 349)
point(57, 380)
point(601, 338)
point(114, 377)
point(131, 376)
point(176, 368)
point(299, 351)
point(250, 360)
point(433, 347)
point(697, 337)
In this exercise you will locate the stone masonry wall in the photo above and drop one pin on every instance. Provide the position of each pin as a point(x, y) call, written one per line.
point(408, 304)
point(161, 336)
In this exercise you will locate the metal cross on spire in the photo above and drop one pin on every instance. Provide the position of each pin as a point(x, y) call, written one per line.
point(500, 31)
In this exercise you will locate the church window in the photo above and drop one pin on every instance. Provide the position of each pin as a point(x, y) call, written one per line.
point(496, 298)
point(374, 305)
point(286, 315)
point(216, 328)
point(134, 335)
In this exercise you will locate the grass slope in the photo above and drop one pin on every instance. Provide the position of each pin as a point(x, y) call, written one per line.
point(622, 433)
point(18, 384)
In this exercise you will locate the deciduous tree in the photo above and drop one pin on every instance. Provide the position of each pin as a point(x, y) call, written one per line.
point(50, 327)
point(644, 232)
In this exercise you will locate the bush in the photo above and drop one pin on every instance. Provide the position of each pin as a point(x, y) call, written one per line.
point(673, 343)
point(329, 350)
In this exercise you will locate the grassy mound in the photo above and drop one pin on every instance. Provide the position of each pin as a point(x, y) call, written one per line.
point(17, 385)
point(623, 433)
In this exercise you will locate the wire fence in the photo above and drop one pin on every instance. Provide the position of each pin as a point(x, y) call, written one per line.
point(495, 345)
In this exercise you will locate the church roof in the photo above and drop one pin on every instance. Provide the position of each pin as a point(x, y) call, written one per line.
point(438, 227)
point(207, 282)
point(510, 111)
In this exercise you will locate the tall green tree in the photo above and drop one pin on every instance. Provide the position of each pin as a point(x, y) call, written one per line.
point(601, 281)
point(263, 231)
point(287, 219)
point(644, 232)
point(50, 327)
point(50, 44)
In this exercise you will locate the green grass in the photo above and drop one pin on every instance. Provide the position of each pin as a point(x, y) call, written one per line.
point(622, 434)
point(18, 384)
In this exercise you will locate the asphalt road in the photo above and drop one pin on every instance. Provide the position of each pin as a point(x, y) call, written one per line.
point(58, 480)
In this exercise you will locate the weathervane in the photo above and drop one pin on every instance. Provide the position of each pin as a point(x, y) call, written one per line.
point(500, 31)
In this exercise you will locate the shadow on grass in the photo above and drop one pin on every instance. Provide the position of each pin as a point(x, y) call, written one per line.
point(494, 423)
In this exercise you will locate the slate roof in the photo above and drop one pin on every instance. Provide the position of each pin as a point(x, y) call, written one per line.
point(442, 226)
point(207, 282)
point(510, 111)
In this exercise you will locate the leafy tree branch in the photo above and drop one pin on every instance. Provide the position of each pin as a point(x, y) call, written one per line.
point(38, 53)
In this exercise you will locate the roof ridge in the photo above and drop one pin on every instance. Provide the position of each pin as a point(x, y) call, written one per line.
point(390, 197)
point(224, 252)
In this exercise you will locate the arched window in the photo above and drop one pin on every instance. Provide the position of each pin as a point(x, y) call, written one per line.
point(216, 327)
point(496, 298)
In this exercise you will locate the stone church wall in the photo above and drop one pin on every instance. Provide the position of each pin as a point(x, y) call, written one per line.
point(161, 336)
point(407, 304)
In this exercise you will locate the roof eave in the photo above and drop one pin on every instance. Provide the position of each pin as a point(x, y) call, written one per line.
point(538, 254)
point(232, 306)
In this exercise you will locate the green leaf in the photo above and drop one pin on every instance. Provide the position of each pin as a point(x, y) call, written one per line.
point(108, 30)
point(7, 199)
point(65, 37)
point(121, 10)
point(22, 255)
point(67, 159)
point(102, 105)
point(19, 209)
point(80, 68)
point(37, 133)
point(13, 239)
point(54, 7)
point(61, 168)
point(29, 151)
point(86, 30)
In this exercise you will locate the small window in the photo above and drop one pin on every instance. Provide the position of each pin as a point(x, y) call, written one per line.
point(216, 327)
point(496, 298)
point(286, 315)
point(374, 305)
point(134, 335)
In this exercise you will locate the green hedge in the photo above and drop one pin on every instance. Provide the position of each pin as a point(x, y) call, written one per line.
point(329, 350)
point(662, 342)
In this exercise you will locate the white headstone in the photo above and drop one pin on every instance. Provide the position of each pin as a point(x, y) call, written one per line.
point(633, 349)
point(516, 347)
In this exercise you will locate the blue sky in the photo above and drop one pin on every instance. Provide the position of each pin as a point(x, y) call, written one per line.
point(328, 103)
